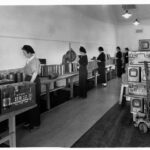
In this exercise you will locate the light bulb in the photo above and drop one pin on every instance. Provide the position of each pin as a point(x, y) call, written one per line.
point(136, 22)
point(126, 15)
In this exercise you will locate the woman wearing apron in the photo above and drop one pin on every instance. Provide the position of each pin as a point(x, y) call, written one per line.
point(83, 61)
point(32, 71)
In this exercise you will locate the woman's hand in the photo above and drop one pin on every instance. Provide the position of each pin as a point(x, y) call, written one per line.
point(33, 77)
point(98, 61)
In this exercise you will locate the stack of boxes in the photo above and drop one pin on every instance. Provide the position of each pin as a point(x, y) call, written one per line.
point(57, 70)
point(137, 81)
point(16, 96)
point(47, 70)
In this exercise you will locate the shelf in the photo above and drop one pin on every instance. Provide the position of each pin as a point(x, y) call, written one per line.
point(55, 89)
point(141, 96)
point(142, 83)
point(91, 77)
point(4, 139)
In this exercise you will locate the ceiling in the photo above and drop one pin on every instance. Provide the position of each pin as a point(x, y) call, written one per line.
point(142, 12)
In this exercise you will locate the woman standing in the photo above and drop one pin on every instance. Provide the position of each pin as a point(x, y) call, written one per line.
point(119, 62)
point(32, 71)
point(83, 61)
point(126, 59)
point(101, 65)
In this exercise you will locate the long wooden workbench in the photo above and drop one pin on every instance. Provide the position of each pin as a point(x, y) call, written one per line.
point(69, 84)
point(47, 82)
point(11, 137)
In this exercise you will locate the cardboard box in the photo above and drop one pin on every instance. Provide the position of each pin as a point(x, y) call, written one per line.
point(61, 83)
point(16, 96)
point(138, 57)
point(43, 87)
point(137, 89)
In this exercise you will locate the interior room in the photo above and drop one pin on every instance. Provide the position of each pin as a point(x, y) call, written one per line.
point(74, 75)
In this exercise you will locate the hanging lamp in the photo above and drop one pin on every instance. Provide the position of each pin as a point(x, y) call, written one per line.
point(126, 15)
point(136, 22)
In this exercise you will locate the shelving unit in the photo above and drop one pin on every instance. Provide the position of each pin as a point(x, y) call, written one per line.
point(69, 84)
point(47, 83)
point(11, 137)
point(53, 90)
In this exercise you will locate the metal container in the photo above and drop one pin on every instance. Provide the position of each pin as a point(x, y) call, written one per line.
point(61, 83)
point(11, 76)
point(18, 77)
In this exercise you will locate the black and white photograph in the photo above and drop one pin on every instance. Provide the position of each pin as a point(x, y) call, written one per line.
point(75, 74)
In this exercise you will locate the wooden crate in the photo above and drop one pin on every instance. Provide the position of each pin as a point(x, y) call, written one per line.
point(16, 96)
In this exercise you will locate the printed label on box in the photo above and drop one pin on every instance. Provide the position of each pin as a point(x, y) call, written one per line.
point(138, 58)
point(137, 89)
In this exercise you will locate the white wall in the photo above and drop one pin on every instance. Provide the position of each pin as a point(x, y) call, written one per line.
point(127, 36)
point(49, 29)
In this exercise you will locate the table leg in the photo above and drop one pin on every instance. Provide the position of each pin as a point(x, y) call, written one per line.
point(106, 75)
point(109, 75)
point(121, 94)
point(71, 87)
point(48, 96)
point(12, 131)
point(95, 78)
point(67, 82)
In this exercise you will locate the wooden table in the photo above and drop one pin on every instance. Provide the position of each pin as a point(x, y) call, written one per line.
point(47, 82)
point(109, 69)
point(11, 137)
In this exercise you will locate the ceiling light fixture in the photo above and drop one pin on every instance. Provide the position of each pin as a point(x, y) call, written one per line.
point(136, 22)
point(126, 15)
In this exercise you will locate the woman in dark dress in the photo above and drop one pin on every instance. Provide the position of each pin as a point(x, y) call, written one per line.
point(101, 66)
point(83, 61)
point(32, 71)
point(126, 59)
point(119, 62)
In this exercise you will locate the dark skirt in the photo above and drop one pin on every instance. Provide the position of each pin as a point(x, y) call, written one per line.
point(119, 68)
point(101, 71)
point(33, 116)
point(83, 82)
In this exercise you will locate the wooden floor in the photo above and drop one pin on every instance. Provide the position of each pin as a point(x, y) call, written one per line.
point(65, 124)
